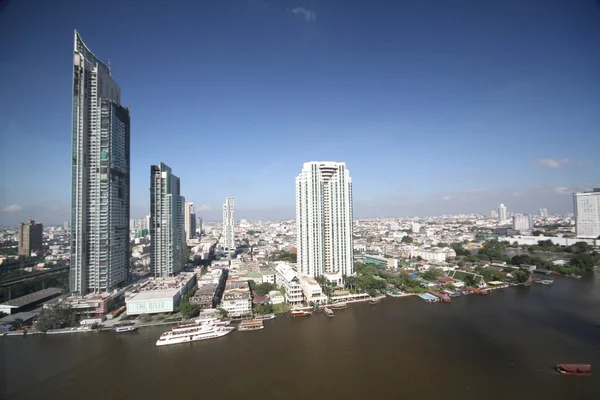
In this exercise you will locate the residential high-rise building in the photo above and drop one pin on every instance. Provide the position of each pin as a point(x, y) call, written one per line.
point(190, 220)
point(228, 224)
point(30, 239)
point(502, 214)
point(200, 225)
point(543, 212)
point(66, 225)
point(324, 220)
point(494, 214)
point(522, 223)
point(587, 214)
point(100, 163)
point(167, 226)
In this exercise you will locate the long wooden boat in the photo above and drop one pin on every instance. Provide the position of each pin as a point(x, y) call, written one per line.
point(575, 369)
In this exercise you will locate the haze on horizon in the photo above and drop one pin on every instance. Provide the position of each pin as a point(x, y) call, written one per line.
point(435, 108)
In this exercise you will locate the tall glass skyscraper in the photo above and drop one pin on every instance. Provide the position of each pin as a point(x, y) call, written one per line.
point(324, 220)
point(100, 177)
point(167, 225)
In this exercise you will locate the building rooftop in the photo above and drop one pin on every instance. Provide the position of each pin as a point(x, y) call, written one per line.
point(32, 297)
point(153, 295)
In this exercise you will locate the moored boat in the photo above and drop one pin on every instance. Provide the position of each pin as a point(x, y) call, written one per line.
point(328, 311)
point(375, 300)
point(203, 332)
point(338, 306)
point(300, 313)
point(575, 369)
point(123, 329)
point(250, 325)
point(264, 317)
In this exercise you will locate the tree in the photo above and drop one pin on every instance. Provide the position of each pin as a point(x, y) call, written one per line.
point(56, 316)
point(16, 324)
point(263, 309)
point(521, 275)
point(406, 239)
point(223, 313)
point(188, 310)
point(263, 288)
point(432, 274)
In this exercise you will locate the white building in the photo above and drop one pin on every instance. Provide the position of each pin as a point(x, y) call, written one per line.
point(544, 212)
point(522, 223)
point(100, 171)
point(275, 297)
point(433, 253)
point(587, 214)
point(324, 220)
point(415, 227)
point(158, 295)
point(286, 276)
point(237, 300)
point(312, 290)
point(228, 224)
point(502, 214)
point(167, 230)
point(190, 220)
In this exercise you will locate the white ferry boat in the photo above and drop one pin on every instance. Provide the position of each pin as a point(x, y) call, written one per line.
point(123, 329)
point(202, 332)
point(264, 317)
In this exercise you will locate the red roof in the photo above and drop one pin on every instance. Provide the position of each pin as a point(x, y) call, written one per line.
point(446, 280)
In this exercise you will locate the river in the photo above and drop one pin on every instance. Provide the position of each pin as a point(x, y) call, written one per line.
point(499, 346)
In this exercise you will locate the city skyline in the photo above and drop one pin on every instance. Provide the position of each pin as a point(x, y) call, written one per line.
point(402, 106)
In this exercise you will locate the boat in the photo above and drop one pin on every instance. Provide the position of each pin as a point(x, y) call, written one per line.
point(264, 317)
point(338, 306)
point(375, 300)
point(250, 325)
point(575, 369)
point(484, 292)
point(123, 329)
point(300, 313)
point(328, 311)
point(465, 292)
point(545, 282)
point(202, 332)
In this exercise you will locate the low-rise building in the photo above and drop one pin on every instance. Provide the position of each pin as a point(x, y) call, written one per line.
point(159, 295)
point(287, 277)
point(237, 300)
point(312, 291)
point(275, 297)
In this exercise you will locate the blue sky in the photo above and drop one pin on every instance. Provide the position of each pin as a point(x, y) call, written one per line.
point(436, 107)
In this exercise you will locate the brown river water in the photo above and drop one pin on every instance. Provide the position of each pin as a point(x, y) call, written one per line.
point(500, 346)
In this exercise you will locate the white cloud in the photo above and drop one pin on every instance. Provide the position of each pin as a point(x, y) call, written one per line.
point(447, 198)
point(309, 15)
point(12, 208)
point(204, 207)
point(562, 190)
point(552, 163)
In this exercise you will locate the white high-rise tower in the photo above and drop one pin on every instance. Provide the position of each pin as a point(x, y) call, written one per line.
point(502, 214)
point(167, 227)
point(324, 220)
point(100, 165)
point(587, 214)
point(228, 224)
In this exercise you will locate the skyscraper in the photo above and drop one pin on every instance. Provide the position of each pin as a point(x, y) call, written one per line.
point(167, 227)
point(543, 212)
point(502, 214)
point(324, 220)
point(228, 224)
point(190, 220)
point(30, 238)
point(99, 178)
point(587, 214)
